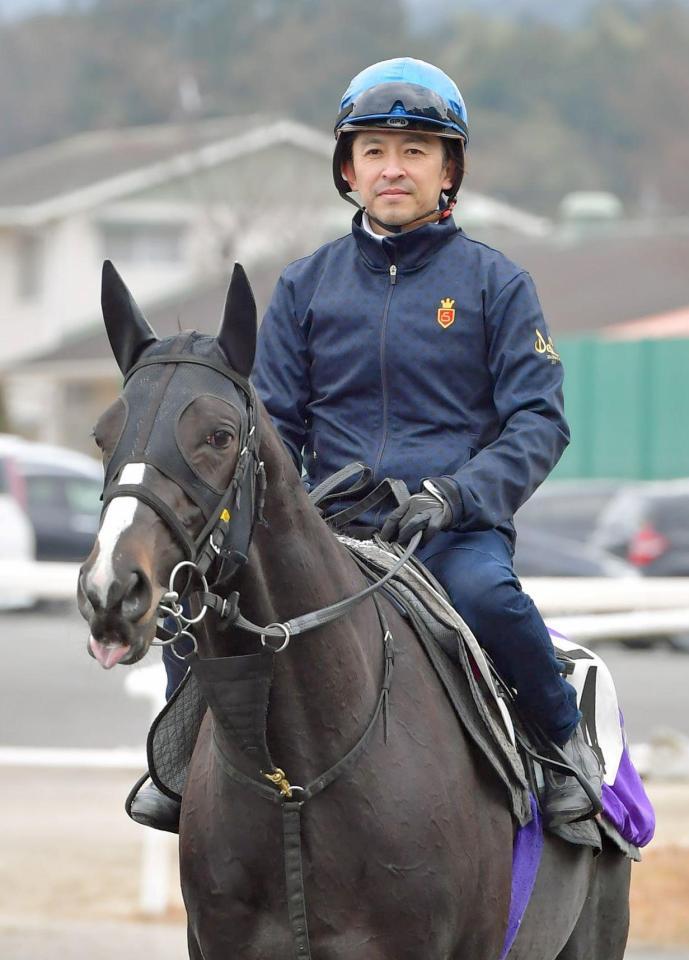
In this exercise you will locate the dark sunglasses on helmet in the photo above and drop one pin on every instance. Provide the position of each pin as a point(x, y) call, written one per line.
point(378, 103)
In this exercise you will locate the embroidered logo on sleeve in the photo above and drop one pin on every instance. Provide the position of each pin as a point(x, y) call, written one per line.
point(544, 346)
point(446, 314)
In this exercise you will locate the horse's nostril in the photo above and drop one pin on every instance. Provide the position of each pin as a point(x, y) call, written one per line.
point(137, 596)
point(90, 591)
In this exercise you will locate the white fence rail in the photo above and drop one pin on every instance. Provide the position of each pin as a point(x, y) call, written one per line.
point(586, 610)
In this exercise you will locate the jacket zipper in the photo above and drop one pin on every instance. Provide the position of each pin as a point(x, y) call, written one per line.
point(393, 281)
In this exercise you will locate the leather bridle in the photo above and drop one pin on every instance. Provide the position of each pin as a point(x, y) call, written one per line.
point(228, 532)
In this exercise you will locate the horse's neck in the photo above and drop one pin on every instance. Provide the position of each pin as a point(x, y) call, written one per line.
point(327, 681)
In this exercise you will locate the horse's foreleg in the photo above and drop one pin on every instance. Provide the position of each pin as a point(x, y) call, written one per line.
point(601, 930)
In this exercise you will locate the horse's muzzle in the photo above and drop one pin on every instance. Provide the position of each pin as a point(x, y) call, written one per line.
point(119, 615)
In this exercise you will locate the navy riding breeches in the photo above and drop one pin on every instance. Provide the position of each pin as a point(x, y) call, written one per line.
point(174, 667)
point(476, 571)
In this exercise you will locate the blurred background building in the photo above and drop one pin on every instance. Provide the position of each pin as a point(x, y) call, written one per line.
point(175, 138)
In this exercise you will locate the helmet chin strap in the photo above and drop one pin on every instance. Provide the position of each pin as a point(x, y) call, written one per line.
point(431, 216)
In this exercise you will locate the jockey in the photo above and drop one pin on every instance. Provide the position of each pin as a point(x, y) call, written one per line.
point(412, 348)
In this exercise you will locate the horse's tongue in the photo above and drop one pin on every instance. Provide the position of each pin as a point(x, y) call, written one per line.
point(108, 654)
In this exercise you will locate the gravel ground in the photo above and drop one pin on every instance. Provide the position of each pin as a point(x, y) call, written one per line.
point(92, 941)
point(70, 871)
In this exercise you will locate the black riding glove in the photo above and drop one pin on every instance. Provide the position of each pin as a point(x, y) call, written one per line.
point(428, 511)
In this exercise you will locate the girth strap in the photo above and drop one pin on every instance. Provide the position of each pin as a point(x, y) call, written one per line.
point(291, 809)
point(294, 878)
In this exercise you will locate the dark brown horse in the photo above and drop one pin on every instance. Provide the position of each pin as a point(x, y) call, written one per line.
point(408, 854)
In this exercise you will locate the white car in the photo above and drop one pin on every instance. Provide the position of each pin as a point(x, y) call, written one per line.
point(60, 491)
point(17, 540)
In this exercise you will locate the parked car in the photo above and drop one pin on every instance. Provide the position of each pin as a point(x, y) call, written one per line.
point(60, 491)
point(17, 540)
point(554, 529)
point(540, 553)
point(649, 527)
point(568, 508)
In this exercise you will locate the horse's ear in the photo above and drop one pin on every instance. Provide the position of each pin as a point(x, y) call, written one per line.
point(237, 334)
point(127, 328)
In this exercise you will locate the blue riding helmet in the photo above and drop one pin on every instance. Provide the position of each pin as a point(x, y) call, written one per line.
point(401, 94)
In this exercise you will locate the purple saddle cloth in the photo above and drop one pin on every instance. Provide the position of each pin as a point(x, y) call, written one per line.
point(625, 805)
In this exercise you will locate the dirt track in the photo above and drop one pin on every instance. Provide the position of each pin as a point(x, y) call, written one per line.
point(69, 854)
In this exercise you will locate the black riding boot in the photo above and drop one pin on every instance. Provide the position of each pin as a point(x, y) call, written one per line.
point(149, 806)
point(564, 798)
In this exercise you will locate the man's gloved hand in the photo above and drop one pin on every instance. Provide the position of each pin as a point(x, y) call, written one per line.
point(428, 511)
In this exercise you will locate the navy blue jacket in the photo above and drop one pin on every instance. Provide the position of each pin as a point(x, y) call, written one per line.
point(425, 355)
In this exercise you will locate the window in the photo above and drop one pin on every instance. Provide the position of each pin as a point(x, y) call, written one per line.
point(29, 263)
point(143, 243)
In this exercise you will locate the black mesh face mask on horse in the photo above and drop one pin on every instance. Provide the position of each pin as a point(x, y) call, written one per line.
point(163, 381)
point(159, 391)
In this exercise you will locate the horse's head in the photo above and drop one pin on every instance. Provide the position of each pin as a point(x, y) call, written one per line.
point(180, 451)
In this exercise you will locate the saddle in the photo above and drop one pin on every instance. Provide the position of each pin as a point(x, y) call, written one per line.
point(482, 702)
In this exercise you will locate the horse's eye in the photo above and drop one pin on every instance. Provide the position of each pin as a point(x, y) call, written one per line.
point(219, 439)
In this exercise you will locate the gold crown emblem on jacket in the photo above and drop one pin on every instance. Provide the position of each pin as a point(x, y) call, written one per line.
point(446, 304)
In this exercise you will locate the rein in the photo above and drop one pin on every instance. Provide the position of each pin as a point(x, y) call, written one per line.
point(228, 608)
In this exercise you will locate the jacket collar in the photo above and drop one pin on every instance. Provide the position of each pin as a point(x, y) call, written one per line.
point(408, 251)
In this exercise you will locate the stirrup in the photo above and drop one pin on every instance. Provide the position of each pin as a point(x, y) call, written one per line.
point(150, 807)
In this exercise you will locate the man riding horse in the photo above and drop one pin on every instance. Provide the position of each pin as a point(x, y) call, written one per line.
point(412, 348)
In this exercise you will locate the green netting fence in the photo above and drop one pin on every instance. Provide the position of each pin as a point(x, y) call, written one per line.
point(627, 403)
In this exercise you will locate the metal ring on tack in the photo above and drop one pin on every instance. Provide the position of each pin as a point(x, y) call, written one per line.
point(157, 642)
point(184, 656)
point(176, 612)
point(284, 645)
point(187, 563)
point(189, 620)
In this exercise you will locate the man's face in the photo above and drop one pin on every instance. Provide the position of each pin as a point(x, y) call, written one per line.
point(399, 175)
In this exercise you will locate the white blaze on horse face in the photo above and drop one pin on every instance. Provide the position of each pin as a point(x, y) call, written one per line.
point(118, 517)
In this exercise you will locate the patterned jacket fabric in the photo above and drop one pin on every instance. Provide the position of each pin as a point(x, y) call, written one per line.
point(424, 355)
